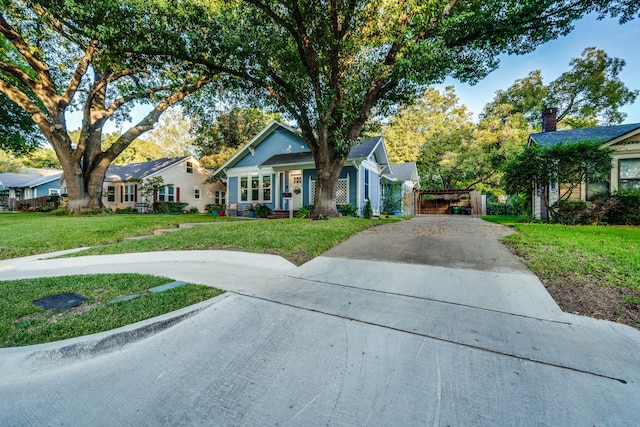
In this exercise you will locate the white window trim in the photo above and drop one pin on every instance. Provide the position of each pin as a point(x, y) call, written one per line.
point(249, 177)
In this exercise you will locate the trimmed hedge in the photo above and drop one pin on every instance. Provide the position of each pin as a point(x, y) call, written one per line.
point(169, 207)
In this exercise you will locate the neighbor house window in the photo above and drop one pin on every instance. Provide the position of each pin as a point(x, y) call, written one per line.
point(166, 194)
point(196, 194)
point(190, 168)
point(111, 193)
point(630, 174)
point(54, 191)
point(130, 193)
point(220, 197)
point(595, 189)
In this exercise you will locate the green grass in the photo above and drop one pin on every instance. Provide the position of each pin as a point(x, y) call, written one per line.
point(22, 323)
point(608, 255)
point(25, 234)
point(297, 240)
point(502, 219)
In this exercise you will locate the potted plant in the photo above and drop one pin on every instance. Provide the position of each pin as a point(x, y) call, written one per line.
point(215, 209)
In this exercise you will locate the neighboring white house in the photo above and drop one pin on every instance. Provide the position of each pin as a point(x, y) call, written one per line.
point(183, 177)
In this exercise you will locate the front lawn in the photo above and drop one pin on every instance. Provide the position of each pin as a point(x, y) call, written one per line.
point(297, 240)
point(23, 323)
point(589, 270)
point(23, 234)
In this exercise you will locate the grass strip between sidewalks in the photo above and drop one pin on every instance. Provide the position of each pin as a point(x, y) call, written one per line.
point(22, 323)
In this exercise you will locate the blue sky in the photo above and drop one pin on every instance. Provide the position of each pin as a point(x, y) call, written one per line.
point(621, 41)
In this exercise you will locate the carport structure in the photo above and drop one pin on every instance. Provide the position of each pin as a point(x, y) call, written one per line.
point(443, 202)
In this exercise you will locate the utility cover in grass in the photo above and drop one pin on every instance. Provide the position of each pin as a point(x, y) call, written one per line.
point(60, 301)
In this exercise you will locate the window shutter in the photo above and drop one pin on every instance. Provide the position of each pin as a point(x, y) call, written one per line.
point(135, 193)
point(121, 193)
point(155, 194)
point(177, 194)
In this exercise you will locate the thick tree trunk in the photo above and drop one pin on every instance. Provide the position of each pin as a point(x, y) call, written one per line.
point(328, 168)
point(84, 188)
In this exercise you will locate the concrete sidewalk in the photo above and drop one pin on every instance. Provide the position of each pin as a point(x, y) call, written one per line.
point(392, 327)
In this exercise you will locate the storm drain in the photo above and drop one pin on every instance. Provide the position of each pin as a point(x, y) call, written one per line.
point(60, 301)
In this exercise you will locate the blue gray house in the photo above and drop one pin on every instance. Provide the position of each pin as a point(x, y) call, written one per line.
point(625, 166)
point(17, 187)
point(278, 162)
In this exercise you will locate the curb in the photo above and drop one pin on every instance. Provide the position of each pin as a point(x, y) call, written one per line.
point(73, 349)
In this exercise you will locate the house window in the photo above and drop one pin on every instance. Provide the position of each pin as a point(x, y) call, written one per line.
point(166, 194)
point(630, 174)
point(54, 191)
point(111, 193)
point(366, 184)
point(196, 194)
point(244, 181)
point(220, 197)
point(266, 188)
point(129, 193)
point(255, 188)
point(190, 168)
point(595, 189)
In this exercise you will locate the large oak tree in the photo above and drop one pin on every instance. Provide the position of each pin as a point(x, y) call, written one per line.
point(332, 65)
point(64, 57)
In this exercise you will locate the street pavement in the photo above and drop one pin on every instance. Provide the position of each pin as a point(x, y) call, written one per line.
point(393, 327)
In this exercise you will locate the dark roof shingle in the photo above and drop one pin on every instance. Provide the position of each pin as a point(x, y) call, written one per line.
point(600, 134)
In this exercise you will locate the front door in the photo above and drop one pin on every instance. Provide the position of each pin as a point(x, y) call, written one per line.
point(295, 187)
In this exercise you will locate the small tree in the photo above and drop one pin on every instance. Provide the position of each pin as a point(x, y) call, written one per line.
point(570, 164)
point(149, 186)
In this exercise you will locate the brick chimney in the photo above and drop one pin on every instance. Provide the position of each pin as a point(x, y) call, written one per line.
point(549, 119)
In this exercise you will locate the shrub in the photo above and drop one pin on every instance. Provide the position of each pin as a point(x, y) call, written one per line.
point(126, 210)
point(262, 210)
point(169, 207)
point(571, 212)
point(304, 212)
point(367, 211)
point(348, 210)
point(59, 212)
point(193, 210)
point(623, 208)
point(392, 201)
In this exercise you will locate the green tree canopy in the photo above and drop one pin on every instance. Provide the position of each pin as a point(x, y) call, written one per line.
point(57, 56)
point(590, 93)
point(330, 66)
point(570, 164)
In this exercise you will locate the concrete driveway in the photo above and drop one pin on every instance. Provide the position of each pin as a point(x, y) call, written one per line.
point(425, 322)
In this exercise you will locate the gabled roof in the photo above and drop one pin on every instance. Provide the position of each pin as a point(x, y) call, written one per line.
point(139, 170)
point(19, 180)
point(407, 171)
point(602, 134)
point(250, 146)
point(360, 151)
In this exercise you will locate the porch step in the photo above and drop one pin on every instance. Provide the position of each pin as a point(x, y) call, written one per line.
point(280, 214)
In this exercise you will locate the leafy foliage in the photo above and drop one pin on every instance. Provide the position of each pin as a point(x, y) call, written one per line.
point(331, 66)
point(590, 93)
point(569, 164)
